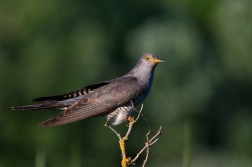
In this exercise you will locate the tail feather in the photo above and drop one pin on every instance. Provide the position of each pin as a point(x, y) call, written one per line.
point(41, 106)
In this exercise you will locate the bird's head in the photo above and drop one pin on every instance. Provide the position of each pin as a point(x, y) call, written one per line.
point(149, 60)
point(144, 68)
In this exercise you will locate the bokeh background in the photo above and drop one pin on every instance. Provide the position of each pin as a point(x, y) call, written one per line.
point(201, 94)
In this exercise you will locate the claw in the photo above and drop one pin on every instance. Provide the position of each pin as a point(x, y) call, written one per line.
point(131, 119)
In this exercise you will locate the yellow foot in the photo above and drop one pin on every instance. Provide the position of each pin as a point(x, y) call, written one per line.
point(131, 120)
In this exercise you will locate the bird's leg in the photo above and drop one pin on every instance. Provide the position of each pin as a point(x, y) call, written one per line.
point(130, 120)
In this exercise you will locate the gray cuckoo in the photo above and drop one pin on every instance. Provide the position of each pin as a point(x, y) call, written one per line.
point(112, 98)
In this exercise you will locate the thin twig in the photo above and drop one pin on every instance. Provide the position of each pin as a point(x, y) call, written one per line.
point(132, 121)
point(152, 141)
point(128, 161)
point(147, 154)
point(125, 160)
point(139, 112)
point(147, 137)
point(121, 144)
point(117, 134)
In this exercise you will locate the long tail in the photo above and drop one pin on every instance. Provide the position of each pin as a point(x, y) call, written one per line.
point(41, 106)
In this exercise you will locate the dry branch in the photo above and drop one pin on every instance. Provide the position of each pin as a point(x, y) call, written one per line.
point(127, 161)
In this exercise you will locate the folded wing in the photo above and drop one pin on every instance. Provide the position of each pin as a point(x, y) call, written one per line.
point(98, 102)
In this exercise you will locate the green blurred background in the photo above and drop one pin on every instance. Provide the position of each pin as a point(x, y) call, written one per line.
point(205, 85)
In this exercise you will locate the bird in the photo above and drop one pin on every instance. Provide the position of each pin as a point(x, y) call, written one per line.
point(115, 99)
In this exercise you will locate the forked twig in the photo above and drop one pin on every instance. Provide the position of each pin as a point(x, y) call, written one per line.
point(152, 141)
point(148, 142)
point(127, 161)
point(121, 144)
point(147, 137)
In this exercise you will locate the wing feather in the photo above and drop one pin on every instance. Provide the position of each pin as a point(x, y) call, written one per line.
point(72, 94)
point(100, 101)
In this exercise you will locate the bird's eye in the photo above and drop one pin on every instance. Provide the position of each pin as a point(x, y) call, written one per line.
point(147, 58)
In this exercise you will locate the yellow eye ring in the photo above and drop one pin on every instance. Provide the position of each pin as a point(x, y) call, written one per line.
point(147, 58)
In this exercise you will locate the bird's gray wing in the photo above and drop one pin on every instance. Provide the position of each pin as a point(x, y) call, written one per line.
point(72, 94)
point(101, 101)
